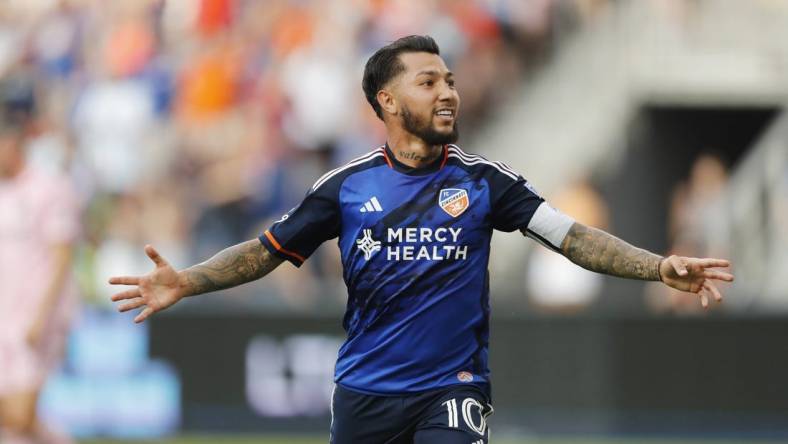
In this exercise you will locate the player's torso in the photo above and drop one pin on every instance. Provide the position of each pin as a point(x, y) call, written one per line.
point(415, 246)
point(415, 250)
point(406, 225)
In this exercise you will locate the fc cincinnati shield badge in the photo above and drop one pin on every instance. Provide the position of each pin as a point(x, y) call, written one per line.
point(454, 201)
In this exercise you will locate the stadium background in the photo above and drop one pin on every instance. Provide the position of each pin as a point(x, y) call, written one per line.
point(192, 124)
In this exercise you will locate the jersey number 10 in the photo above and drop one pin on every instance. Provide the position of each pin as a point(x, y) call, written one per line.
point(467, 405)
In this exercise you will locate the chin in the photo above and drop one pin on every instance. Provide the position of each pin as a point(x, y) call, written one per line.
point(450, 135)
point(441, 138)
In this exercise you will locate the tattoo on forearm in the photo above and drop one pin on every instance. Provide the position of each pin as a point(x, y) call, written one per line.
point(602, 252)
point(232, 266)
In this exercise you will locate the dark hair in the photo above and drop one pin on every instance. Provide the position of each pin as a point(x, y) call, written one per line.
point(385, 64)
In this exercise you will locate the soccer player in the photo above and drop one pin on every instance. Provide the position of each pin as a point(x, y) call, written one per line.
point(39, 222)
point(414, 219)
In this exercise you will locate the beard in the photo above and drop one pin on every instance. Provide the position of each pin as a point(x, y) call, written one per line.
point(426, 131)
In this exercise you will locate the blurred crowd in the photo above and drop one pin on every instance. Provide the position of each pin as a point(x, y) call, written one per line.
point(191, 124)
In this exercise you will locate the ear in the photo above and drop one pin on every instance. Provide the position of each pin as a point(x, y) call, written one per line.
point(387, 102)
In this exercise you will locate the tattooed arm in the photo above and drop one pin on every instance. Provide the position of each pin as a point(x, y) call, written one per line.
point(164, 286)
point(236, 265)
point(599, 251)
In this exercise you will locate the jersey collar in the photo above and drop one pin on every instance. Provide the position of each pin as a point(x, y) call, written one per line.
point(436, 164)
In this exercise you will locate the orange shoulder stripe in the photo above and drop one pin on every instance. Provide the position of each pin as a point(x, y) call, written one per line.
point(279, 248)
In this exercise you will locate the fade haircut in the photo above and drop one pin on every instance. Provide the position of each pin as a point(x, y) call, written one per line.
point(385, 64)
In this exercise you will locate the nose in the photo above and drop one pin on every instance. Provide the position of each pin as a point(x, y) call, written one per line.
point(447, 93)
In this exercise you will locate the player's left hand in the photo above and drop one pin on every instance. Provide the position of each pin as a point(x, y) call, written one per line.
point(695, 275)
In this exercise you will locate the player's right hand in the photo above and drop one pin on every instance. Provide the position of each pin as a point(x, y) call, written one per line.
point(155, 291)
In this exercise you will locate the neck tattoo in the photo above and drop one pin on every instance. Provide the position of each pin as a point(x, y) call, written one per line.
point(417, 157)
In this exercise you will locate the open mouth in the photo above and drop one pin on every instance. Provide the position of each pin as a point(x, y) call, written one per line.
point(445, 113)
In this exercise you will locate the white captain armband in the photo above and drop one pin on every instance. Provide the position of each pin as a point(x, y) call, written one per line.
point(549, 226)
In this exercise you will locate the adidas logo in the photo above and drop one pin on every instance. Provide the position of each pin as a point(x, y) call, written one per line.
point(371, 205)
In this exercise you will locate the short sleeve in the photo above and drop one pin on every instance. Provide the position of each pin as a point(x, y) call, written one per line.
point(298, 233)
point(514, 200)
point(517, 206)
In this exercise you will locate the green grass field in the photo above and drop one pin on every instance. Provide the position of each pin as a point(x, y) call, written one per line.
point(219, 439)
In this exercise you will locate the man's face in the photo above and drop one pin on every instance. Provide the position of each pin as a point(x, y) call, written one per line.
point(428, 103)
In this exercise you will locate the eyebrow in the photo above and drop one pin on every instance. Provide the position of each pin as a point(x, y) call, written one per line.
point(432, 72)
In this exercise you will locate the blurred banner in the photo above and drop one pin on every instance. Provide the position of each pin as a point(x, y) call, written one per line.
point(550, 375)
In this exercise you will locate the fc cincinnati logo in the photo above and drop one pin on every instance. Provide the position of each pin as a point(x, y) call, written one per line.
point(453, 201)
point(464, 377)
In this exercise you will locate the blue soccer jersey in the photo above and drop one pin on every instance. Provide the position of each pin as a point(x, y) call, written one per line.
point(415, 246)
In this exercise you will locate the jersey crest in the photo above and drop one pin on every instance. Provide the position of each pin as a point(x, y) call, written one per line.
point(453, 201)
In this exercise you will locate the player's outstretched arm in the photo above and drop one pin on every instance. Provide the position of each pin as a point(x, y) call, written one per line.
point(164, 286)
point(596, 250)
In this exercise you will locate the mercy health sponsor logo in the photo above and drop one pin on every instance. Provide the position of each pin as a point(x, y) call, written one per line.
point(368, 245)
point(449, 248)
point(416, 243)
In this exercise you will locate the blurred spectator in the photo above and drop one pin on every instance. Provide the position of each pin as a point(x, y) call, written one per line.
point(697, 227)
point(39, 224)
point(55, 41)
